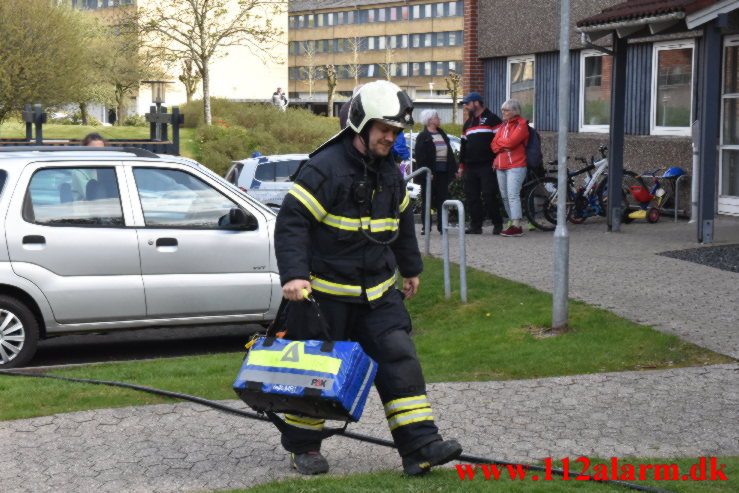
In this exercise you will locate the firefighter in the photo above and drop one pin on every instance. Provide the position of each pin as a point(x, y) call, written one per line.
point(343, 233)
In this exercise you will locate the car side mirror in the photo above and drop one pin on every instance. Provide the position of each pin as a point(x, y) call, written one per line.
point(240, 219)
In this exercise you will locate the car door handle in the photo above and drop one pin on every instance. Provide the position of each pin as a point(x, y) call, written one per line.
point(34, 240)
point(166, 242)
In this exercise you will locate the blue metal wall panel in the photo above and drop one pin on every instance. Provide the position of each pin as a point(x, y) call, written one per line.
point(638, 88)
point(546, 69)
point(574, 121)
point(495, 83)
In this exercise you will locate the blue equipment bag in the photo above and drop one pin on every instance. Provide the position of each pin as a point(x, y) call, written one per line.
point(320, 379)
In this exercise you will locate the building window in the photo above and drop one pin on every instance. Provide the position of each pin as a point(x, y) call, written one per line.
point(394, 13)
point(381, 43)
point(404, 41)
point(672, 88)
point(416, 12)
point(439, 10)
point(381, 15)
point(520, 84)
point(427, 40)
point(728, 201)
point(427, 11)
point(595, 91)
point(404, 13)
point(452, 9)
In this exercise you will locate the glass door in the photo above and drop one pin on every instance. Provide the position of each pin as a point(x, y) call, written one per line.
point(728, 202)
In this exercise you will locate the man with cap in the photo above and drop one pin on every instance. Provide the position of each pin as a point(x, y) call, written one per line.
point(476, 165)
point(343, 233)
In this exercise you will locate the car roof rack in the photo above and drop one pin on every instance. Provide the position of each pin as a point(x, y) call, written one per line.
point(137, 151)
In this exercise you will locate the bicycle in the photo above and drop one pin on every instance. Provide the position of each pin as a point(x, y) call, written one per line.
point(582, 202)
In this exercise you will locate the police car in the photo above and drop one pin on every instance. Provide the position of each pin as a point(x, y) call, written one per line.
point(267, 178)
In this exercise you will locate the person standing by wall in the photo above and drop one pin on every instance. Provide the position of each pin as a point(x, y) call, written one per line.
point(434, 151)
point(476, 165)
point(279, 99)
point(510, 162)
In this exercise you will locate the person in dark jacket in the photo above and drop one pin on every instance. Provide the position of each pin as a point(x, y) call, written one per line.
point(476, 165)
point(434, 151)
point(342, 233)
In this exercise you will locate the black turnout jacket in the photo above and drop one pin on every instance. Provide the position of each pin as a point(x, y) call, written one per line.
point(318, 237)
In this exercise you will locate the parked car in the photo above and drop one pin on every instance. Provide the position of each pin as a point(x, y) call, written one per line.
point(104, 240)
point(267, 178)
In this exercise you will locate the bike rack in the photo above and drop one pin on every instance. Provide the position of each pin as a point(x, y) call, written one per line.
point(677, 194)
point(448, 204)
point(427, 209)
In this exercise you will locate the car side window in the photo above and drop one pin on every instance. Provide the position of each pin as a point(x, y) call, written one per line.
point(175, 199)
point(285, 169)
point(74, 197)
point(265, 172)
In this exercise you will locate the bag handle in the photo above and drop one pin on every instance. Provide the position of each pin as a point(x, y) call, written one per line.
point(272, 332)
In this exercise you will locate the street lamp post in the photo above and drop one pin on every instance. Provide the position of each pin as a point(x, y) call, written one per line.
point(157, 117)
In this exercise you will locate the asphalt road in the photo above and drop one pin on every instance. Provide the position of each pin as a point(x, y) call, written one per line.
point(142, 344)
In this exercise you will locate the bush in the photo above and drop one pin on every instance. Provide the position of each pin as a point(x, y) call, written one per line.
point(135, 121)
point(221, 145)
point(76, 119)
point(272, 131)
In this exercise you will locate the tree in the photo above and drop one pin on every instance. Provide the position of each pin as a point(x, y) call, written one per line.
point(387, 65)
point(330, 71)
point(190, 78)
point(42, 54)
point(354, 67)
point(201, 30)
point(126, 60)
point(453, 83)
point(310, 71)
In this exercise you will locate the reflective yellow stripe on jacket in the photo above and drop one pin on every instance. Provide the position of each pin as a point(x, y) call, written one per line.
point(373, 293)
point(406, 200)
point(342, 222)
point(309, 201)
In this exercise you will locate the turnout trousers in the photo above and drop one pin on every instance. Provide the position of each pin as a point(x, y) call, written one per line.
point(384, 334)
point(480, 181)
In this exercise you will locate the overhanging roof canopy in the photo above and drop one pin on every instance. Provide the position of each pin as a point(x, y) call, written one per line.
point(639, 17)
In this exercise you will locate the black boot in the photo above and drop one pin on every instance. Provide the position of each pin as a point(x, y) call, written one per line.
point(309, 463)
point(431, 454)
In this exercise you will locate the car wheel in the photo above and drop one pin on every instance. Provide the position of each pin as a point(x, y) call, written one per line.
point(18, 333)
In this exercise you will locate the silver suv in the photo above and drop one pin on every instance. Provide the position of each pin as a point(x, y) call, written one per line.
point(100, 239)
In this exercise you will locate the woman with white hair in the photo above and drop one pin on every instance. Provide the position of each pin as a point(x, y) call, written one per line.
point(434, 152)
point(509, 145)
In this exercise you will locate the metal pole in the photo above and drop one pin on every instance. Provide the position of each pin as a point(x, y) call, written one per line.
point(561, 235)
point(445, 246)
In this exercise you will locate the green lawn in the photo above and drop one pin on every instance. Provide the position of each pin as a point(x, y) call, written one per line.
point(493, 337)
point(446, 480)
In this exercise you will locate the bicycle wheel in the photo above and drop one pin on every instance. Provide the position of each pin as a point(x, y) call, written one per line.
point(541, 204)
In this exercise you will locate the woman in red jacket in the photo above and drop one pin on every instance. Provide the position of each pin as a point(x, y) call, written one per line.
point(509, 145)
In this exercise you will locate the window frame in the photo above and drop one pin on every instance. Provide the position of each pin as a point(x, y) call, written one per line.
point(521, 59)
point(601, 129)
point(655, 129)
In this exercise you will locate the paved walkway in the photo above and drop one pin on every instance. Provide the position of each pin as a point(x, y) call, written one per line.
point(679, 412)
